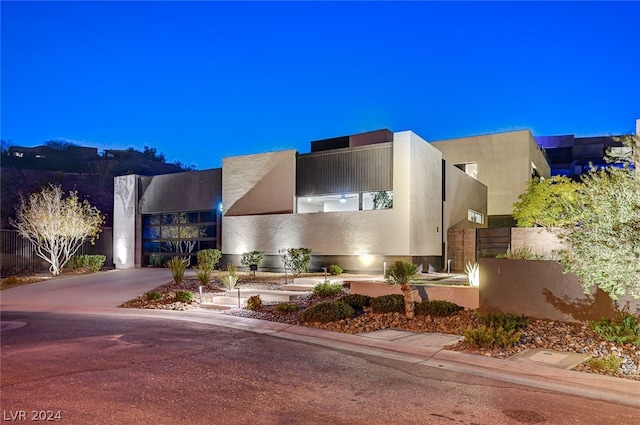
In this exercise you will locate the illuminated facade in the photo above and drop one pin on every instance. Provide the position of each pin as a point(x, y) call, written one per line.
point(356, 201)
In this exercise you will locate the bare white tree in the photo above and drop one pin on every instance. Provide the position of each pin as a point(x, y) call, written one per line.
point(56, 226)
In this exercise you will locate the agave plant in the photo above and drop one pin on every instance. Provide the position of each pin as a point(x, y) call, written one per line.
point(402, 273)
point(473, 273)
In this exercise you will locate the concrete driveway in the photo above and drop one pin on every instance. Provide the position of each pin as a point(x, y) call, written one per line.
point(90, 292)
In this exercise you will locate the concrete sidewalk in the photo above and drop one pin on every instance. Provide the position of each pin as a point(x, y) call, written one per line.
point(427, 349)
point(101, 293)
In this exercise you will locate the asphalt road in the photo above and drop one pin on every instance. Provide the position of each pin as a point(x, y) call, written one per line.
point(77, 360)
point(109, 369)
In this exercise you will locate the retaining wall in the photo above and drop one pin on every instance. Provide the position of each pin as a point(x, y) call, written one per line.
point(539, 289)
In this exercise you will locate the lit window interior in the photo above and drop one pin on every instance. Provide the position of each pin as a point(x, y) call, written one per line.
point(345, 202)
point(475, 217)
point(471, 169)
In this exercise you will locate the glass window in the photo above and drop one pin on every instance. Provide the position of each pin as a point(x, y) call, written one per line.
point(150, 232)
point(208, 216)
point(166, 235)
point(475, 217)
point(345, 202)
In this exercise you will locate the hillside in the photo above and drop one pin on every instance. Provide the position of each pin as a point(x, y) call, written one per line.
point(91, 176)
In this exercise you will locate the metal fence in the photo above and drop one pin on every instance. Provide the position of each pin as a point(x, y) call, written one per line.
point(17, 255)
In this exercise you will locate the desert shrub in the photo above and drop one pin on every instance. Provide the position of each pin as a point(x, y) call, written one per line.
point(254, 303)
point(89, 262)
point(624, 331)
point(335, 270)
point(356, 300)
point(184, 296)
point(490, 337)
point(158, 259)
point(177, 267)
point(253, 258)
point(75, 263)
point(203, 273)
point(327, 289)
point(436, 308)
point(611, 363)
point(328, 311)
point(94, 262)
point(11, 280)
point(507, 321)
point(524, 253)
point(208, 258)
point(296, 259)
point(153, 295)
point(230, 277)
point(388, 304)
point(286, 307)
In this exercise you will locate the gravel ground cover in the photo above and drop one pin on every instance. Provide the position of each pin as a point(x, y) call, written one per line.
point(565, 337)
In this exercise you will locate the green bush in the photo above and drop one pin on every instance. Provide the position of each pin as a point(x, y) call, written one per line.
point(75, 263)
point(356, 300)
point(184, 296)
point(204, 274)
point(95, 262)
point(327, 289)
point(208, 258)
point(254, 303)
point(90, 262)
point(296, 259)
point(285, 307)
point(158, 259)
point(388, 304)
point(328, 311)
point(611, 363)
point(437, 308)
point(253, 258)
point(524, 253)
point(490, 337)
point(177, 267)
point(335, 270)
point(153, 295)
point(624, 331)
point(506, 321)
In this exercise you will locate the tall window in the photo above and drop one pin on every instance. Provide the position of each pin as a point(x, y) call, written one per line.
point(177, 234)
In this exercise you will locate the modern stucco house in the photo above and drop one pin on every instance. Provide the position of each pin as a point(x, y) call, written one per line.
point(504, 162)
point(335, 200)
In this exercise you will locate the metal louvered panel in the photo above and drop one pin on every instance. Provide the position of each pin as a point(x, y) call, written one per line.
point(365, 169)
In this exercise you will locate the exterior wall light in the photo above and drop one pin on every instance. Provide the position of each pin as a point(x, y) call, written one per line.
point(343, 200)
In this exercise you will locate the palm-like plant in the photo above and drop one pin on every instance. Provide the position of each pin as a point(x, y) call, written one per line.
point(402, 273)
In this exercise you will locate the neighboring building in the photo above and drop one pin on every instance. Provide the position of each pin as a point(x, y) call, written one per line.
point(504, 162)
point(356, 201)
point(573, 156)
point(69, 152)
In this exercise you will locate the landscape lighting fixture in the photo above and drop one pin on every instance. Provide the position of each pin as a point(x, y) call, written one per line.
point(343, 200)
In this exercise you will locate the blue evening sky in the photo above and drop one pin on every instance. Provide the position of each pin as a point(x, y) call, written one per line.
point(203, 80)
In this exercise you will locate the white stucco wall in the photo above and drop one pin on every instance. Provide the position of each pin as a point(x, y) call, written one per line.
point(409, 228)
point(124, 221)
point(463, 193)
point(504, 164)
point(259, 184)
point(425, 195)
